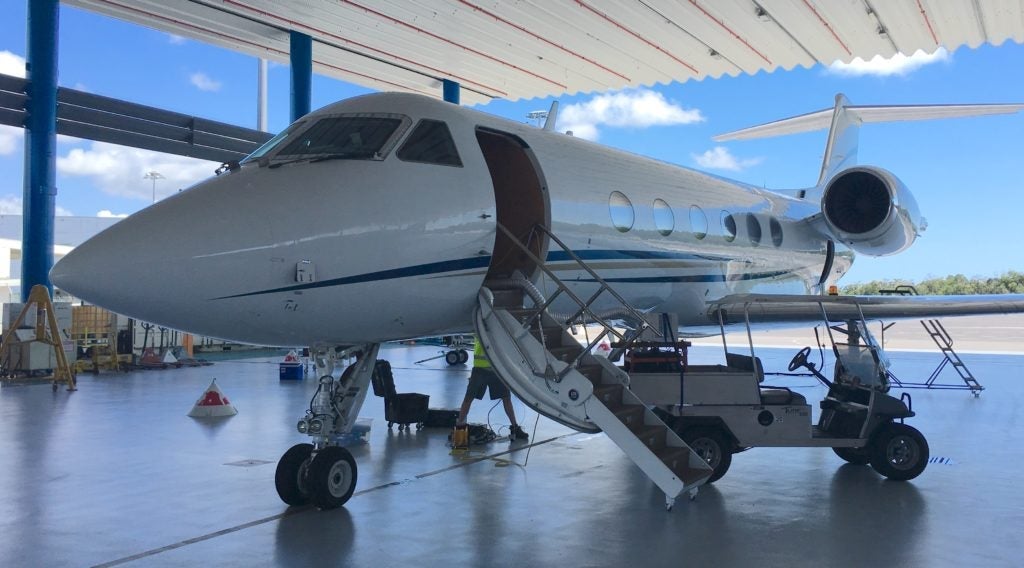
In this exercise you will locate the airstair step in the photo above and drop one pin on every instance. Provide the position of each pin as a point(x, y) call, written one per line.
point(609, 395)
point(631, 415)
point(523, 314)
point(552, 335)
point(652, 436)
point(566, 354)
point(508, 298)
point(594, 373)
point(678, 460)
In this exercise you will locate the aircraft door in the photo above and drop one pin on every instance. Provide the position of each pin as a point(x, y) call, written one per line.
point(521, 201)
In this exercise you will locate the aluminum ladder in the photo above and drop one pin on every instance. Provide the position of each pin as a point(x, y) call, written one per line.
point(536, 356)
point(944, 342)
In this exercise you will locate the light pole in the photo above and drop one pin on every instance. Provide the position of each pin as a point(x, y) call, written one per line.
point(153, 175)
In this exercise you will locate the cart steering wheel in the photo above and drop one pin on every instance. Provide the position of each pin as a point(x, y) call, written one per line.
point(800, 359)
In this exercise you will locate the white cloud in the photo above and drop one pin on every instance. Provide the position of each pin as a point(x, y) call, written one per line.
point(118, 170)
point(175, 39)
point(11, 205)
point(108, 214)
point(879, 66)
point(719, 158)
point(634, 108)
point(203, 82)
point(11, 64)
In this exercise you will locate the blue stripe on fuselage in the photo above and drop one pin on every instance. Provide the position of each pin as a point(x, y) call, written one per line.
point(435, 268)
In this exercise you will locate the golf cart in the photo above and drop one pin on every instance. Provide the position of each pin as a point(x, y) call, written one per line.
point(719, 410)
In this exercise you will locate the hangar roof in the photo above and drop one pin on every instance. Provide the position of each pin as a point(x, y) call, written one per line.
point(535, 48)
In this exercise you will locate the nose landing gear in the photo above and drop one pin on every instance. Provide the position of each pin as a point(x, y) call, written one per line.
point(324, 473)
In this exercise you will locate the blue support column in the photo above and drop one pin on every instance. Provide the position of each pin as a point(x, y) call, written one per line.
point(451, 91)
point(302, 74)
point(40, 191)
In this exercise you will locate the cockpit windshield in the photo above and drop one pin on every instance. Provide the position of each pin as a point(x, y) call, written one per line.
point(353, 137)
point(273, 142)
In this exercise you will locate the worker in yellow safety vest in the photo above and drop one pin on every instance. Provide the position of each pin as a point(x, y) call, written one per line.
point(481, 379)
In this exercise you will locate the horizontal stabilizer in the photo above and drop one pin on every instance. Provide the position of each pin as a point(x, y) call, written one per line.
point(887, 113)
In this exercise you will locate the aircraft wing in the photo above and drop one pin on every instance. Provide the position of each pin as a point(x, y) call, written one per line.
point(774, 308)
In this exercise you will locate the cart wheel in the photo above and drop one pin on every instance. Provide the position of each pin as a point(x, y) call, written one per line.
point(710, 444)
point(899, 452)
point(389, 425)
point(419, 425)
point(856, 456)
point(452, 358)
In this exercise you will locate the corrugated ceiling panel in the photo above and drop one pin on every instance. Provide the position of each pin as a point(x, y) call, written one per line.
point(530, 48)
point(858, 27)
point(907, 28)
point(558, 23)
point(678, 43)
point(1003, 20)
point(809, 27)
point(658, 66)
point(733, 30)
point(956, 23)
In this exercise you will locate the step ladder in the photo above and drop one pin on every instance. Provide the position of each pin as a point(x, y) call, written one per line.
point(944, 342)
point(546, 367)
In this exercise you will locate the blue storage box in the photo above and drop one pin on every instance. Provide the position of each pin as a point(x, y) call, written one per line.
point(291, 371)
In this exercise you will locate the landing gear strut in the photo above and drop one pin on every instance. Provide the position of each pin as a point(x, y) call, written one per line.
point(324, 473)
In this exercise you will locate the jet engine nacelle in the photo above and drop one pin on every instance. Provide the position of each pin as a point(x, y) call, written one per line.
point(871, 211)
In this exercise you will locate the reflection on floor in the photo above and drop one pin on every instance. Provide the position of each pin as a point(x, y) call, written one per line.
point(117, 474)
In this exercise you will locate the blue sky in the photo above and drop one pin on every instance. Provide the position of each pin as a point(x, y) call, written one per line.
point(964, 173)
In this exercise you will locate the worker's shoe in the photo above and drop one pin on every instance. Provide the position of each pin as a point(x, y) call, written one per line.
point(517, 433)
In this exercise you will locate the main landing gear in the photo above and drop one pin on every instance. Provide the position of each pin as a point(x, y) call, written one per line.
point(322, 472)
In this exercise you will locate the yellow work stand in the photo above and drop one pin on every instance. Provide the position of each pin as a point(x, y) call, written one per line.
point(47, 332)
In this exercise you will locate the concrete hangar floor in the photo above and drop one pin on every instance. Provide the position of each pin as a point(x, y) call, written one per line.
point(116, 474)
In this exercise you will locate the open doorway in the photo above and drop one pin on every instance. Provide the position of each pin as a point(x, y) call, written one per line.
point(520, 201)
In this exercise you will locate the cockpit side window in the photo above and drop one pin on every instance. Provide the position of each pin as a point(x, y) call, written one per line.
point(351, 137)
point(430, 142)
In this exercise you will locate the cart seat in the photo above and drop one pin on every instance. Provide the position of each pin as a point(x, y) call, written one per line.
point(781, 396)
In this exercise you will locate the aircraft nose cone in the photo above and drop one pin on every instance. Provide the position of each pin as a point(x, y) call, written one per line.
point(99, 270)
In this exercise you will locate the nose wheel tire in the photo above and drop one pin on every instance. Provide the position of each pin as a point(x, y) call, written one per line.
point(710, 444)
point(290, 477)
point(452, 358)
point(332, 477)
point(856, 456)
point(899, 452)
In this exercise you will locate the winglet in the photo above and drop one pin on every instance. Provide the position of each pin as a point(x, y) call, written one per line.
point(549, 123)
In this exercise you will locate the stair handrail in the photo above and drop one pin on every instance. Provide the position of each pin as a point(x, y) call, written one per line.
point(603, 286)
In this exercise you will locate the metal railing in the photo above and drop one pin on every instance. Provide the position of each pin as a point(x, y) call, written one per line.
point(584, 314)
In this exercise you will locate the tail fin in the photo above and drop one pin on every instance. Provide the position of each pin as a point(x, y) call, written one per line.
point(845, 119)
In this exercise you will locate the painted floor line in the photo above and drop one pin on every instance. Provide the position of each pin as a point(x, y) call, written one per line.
point(307, 508)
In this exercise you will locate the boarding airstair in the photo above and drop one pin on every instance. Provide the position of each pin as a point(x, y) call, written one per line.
point(944, 342)
point(532, 351)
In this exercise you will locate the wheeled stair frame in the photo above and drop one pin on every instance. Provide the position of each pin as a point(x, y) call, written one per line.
point(944, 342)
point(553, 374)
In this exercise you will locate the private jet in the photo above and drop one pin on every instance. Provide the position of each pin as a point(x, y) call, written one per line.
point(395, 216)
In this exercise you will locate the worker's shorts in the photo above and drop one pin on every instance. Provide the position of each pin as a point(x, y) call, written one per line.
point(481, 380)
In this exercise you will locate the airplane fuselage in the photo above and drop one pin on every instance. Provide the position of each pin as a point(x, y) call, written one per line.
point(397, 244)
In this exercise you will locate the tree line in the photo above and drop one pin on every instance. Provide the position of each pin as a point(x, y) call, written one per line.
point(957, 284)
